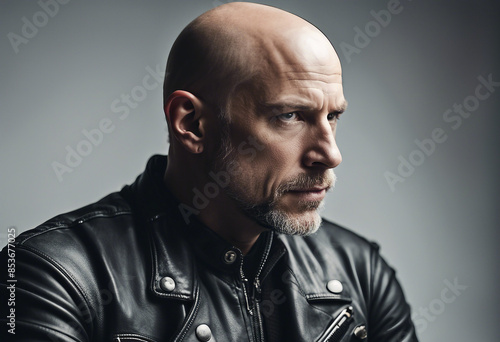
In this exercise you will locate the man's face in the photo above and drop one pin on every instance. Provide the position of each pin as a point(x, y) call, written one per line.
point(280, 140)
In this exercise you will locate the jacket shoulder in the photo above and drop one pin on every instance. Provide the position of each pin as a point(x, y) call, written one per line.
point(72, 263)
point(332, 242)
point(340, 236)
point(110, 206)
point(83, 243)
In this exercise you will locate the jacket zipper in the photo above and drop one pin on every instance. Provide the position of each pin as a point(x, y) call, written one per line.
point(339, 326)
point(244, 282)
point(250, 294)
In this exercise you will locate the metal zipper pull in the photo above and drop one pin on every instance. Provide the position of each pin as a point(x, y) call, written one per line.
point(255, 289)
point(245, 293)
point(256, 285)
point(338, 328)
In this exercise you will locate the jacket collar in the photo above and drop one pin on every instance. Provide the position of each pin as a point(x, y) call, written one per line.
point(158, 213)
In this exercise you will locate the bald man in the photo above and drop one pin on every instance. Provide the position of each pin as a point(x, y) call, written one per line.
point(222, 242)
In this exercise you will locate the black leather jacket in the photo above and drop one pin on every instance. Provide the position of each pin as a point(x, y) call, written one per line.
point(128, 268)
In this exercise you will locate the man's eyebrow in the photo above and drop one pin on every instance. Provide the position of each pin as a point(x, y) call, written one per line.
point(282, 107)
point(343, 106)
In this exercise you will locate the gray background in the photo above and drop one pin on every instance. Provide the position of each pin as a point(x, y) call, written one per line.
point(439, 225)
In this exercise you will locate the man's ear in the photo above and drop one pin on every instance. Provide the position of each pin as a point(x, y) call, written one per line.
point(184, 113)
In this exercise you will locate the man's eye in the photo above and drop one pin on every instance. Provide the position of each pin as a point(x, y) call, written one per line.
point(333, 116)
point(288, 116)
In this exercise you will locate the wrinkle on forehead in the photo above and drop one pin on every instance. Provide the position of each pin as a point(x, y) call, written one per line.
point(311, 76)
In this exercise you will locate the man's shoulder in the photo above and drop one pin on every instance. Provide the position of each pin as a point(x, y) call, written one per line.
point(340, 235)
point(332, 241)
point(78, 224)
point(337, 235)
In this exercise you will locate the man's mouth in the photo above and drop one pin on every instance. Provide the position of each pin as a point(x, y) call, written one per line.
point(316, 193)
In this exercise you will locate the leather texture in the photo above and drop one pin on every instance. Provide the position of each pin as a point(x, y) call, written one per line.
point(96, 274)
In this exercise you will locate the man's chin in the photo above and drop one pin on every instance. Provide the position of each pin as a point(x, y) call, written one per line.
point(298, 218)
point(304, 223)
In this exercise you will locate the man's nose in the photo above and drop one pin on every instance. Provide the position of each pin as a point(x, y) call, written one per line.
point(322, 151)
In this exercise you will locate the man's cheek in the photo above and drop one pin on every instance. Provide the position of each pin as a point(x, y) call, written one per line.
point(233, 169)
point(246, 151)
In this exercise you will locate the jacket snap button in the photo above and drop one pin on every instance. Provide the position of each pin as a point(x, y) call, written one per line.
point(167, 284)
point(203, 333)
point(230, 257)
point(360, 332)
point(334, 286)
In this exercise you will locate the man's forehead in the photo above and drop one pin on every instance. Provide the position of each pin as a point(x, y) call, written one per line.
point(309, 90)
point(296, 49)
point(280, 92)
point(301, 57)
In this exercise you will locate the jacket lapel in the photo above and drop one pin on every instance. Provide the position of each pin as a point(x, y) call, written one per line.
point(173, 274)
point(315, 307)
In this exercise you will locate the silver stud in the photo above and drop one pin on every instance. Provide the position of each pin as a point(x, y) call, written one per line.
point(334, 286)
point(230, 257)
point(360, 332)
point(203, 333)
point(167, 284)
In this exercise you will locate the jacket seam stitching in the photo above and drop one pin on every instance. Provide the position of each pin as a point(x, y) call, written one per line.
point(62, 270)
point(73, 223)
point(134, 335)
point(327, 296)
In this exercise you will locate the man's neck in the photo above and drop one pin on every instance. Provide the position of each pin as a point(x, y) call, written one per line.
point(241, 232)
point(220, 213)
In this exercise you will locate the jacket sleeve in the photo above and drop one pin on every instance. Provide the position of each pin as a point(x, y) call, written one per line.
point(39, 302)
point(390, 314)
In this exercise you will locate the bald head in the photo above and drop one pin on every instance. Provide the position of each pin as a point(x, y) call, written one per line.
point(233, 44)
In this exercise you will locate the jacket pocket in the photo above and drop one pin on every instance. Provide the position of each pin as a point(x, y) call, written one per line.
point(339, 326)
point(131, 338)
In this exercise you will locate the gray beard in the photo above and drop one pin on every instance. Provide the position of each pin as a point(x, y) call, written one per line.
point(266, 213)
point(274, 219)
